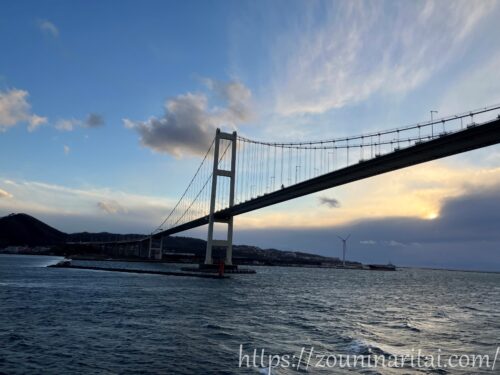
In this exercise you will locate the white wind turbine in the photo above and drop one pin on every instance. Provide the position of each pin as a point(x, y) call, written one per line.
point(344, 246)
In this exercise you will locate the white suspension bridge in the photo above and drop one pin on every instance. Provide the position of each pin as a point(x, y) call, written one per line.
point(238, 175)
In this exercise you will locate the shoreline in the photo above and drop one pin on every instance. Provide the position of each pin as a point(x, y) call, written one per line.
point(254, 265)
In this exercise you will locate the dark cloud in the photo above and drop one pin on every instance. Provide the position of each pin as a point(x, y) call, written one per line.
point(189, 123)
point(330, 202)
point(94, 120)
point(465, 236)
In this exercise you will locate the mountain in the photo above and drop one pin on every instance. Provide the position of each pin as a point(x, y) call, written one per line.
point(22, 229)
point(25, 230)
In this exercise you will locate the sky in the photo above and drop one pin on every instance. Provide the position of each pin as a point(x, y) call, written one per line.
point(106, 109)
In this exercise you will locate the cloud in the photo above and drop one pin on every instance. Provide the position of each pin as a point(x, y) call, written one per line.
point(35, 121)
point(48, 28)
point(472, 216)
point(342, 53)
point(395, 243)
point(66, 149)
point(464, 236)
point(189, 123)
point(330, 202)
point(15, 108)
point(417, 192)
point(368, 242)
point(77, 209)
point(5, 194)
point(237, 96)
point(67, 124)
point(111, 207)
point(94, 120)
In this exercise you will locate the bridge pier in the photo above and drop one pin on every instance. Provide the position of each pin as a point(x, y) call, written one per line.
point(231, 174)
point(155, 248)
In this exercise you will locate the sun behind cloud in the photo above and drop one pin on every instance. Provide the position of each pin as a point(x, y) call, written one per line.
point(432, 216)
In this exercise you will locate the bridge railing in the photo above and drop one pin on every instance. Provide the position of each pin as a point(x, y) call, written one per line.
point(264, 167)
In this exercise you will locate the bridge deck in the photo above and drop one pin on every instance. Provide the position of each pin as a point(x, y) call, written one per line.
point(481, 135)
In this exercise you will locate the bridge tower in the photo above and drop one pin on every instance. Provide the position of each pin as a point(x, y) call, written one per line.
point(231, 174)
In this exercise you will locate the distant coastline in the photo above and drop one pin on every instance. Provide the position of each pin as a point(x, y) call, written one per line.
point(46, 240)
point(135, 260)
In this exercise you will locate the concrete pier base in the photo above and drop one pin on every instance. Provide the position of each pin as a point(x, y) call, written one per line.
point(214, 268)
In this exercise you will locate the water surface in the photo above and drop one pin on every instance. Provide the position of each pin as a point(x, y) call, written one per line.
point(63, 321)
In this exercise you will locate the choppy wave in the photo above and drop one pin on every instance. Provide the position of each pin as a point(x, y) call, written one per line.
point(73, 321)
